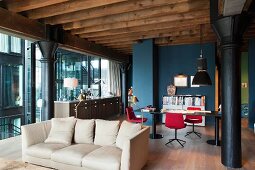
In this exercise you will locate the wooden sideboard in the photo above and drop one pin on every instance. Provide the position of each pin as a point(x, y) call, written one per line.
point(99, 108)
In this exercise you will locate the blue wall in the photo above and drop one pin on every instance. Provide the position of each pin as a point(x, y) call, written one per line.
point(251, 75)
point(183, 59)
point(169, 61)
point(143, 74)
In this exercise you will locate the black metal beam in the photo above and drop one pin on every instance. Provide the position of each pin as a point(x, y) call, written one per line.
point(33, 83)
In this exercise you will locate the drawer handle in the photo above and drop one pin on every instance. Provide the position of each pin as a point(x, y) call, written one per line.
point(86, 103)
point(117, 102)
point(85, 107)
point(110, 103)
point(103, 104)
point(95, 106)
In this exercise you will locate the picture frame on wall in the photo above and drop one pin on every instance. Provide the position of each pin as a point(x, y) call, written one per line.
point(181, 80)
point(191, 79)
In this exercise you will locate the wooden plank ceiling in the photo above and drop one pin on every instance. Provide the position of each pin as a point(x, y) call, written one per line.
point(118, 24)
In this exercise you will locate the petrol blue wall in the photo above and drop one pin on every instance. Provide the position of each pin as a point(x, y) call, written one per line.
point(169, 61)
point(183, 59)
point(143, 74)
point(251, 75)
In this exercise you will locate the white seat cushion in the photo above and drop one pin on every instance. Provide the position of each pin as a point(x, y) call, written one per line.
point(126, 132)
point(73, 154)
point(84, 131)
point(106, 132)
point(43, 150)
point(61, 131)
point(104, 158)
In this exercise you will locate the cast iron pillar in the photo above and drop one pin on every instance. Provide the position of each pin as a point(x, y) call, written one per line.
point(229, 31)
point(48, 49)
point(123, 68)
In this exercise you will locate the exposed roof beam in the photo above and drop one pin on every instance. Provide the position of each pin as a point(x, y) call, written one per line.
point(67, 7)
point(166, 10)
point(24, 5)
point(124, 29)
point(21, 26)
point(143, 22)
point(111, 9)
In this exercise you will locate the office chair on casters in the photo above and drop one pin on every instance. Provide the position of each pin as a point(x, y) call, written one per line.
point(175, 121)
point(132, 118)
point(193, 120)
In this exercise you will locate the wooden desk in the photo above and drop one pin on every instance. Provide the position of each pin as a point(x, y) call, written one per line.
point(214, 114)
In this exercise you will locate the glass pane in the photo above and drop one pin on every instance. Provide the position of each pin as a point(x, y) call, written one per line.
point(105, 75)
point(12, 85)
point(4, 43)
point(71, 65)
point(15, 45)
point(95, 76)
point(38, 84)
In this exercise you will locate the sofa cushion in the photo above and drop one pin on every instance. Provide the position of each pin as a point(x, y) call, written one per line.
point(126, 132)
point(43, 150)
point(106, 132)
point(84, 131)
point(73, 154)
point(104, 158)
point(61, 131)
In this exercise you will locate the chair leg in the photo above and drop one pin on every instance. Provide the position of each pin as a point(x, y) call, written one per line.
point(176, 139)
point(193, 131)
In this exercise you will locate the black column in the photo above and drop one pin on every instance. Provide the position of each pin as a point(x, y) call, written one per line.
point(48, 50)
point(229, 31)
point(123, 68)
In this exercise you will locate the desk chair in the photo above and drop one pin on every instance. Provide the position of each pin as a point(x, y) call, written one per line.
point(175, 121)
point(132, 118)
point(193, 120)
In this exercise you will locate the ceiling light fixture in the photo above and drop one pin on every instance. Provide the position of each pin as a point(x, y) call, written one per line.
point(201, 78)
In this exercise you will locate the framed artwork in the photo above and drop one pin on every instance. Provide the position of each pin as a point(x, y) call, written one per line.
point(191, 79)
point(181, 80)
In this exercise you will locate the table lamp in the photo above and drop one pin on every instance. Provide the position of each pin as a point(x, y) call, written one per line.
point(71, 83)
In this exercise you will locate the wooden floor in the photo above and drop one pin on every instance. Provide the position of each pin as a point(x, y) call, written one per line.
point(196, 154)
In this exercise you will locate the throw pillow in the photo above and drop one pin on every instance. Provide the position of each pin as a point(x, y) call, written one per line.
point(61, 130)
point(106, 132)
point(127, 130)
point(84, 131)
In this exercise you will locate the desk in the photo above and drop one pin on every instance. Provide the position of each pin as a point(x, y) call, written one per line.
point(215, 114)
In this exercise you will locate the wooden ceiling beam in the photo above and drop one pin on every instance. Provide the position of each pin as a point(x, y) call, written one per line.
point(68, 7)
point(163, 25)
point(120, 40)
point(104, 35)
point(142, 22)
point(148, 13)
point(25, 5)
point(111, 9)
point(26, 28)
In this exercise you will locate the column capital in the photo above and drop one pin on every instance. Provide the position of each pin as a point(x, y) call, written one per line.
point(48, 49)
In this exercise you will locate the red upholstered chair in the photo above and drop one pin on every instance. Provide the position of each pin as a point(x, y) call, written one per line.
point(193, 120)
point(132, 118)
point(175, 121)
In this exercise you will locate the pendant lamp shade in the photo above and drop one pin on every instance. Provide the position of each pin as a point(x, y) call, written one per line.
point(202, 78)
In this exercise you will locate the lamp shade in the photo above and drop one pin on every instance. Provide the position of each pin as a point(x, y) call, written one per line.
point(202, 78)
point(70, 82)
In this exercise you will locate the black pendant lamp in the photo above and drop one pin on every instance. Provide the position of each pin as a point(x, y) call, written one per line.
point(201, 78)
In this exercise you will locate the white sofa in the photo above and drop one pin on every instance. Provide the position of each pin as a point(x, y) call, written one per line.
point(130, 154)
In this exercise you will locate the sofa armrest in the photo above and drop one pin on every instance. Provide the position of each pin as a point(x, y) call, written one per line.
point(34, 133)
point(135, 151)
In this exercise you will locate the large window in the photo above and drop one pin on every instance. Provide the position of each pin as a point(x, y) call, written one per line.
point(11, 85)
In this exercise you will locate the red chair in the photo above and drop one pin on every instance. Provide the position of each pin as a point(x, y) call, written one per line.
point(132, 118)
point(175, 121)
point(193, 120)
